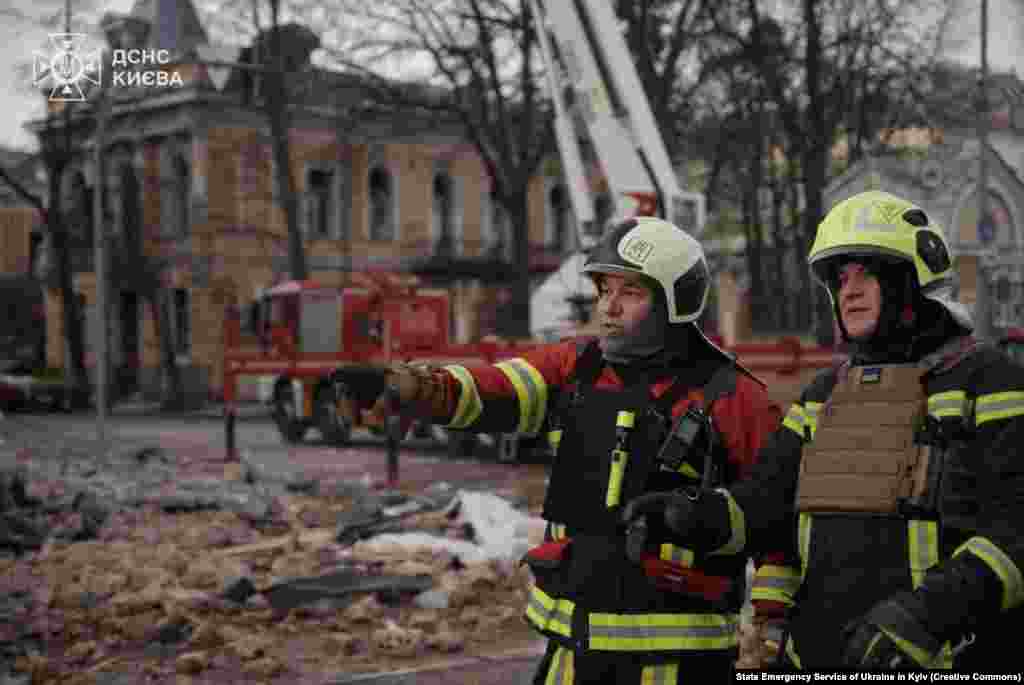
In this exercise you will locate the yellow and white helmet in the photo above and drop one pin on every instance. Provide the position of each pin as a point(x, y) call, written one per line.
point(881, 225)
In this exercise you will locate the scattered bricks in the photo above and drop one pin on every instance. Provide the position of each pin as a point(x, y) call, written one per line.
point(397, 641)
point(446, 641)
point(267, 667)
point(191, 663)
point(345, 643)
point(207, 636)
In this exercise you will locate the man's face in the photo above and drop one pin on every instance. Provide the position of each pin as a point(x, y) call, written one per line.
point(622, 303)
point(860, 300)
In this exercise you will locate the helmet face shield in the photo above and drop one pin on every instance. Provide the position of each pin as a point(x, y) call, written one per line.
point(665, 255)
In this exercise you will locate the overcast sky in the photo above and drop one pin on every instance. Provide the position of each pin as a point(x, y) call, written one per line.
point(18, 41)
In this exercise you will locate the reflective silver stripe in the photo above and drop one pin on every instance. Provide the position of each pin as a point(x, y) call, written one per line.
point(778, 583)
point(679, 555)
point(470, 405)
point(795, 420)
point(804, 541)
point(531, 390)
point(547, 613)
point(947, 404)
point(813, 409)
point(560, 672)
point(1001, 564)
point(653, 632)
point(923, 548)
point(660, 674)
point(999, 405)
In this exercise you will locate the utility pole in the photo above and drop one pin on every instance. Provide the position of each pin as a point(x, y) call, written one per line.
point(100, 269)
point(983, 302)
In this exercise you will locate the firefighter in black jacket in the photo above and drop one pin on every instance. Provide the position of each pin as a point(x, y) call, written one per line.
point(651, 405)
point(901, 471)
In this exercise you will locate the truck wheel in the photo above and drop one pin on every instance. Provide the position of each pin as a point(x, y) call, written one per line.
point(335, 427)
point(292, 429)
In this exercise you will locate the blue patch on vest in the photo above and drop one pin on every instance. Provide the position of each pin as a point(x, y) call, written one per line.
point(871, 374)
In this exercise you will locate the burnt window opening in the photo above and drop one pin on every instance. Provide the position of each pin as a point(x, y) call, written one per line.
point(443, 215)
point(319, 202)
point(382, 216)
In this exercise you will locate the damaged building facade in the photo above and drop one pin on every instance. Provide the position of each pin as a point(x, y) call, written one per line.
point(190, 179)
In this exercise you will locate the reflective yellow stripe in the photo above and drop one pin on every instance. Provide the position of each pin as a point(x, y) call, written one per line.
point(999, 405)
point(660, 674)
point(775, 584)
point(469, 406)
point(796, 420)
point(555, 439)
point(531, 391)
point(657, 632)
point(737, 525)
point(946, 404)
point(923, 547)
point(679, 555)
point(618, 472)
point(812, 409)
point(549, 614)
point(1001, 564)
point(803, 537)
point(791, 653)
point(556, 531)
point(688, 471)
point(560, 671)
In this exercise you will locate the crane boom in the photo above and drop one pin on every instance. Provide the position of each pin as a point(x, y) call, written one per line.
point(598, 97)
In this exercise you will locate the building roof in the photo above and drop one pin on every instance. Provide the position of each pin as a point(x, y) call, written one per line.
point(174, 24)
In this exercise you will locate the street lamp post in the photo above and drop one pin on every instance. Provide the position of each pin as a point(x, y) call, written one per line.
point(983, 304)
point(100, 269)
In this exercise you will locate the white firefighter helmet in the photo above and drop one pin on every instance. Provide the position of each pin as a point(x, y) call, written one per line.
point(668, 257)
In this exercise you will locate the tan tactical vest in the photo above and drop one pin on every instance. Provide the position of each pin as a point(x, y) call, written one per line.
point(863, 457)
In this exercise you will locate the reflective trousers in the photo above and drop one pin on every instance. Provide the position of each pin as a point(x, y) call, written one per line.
point(562, 666)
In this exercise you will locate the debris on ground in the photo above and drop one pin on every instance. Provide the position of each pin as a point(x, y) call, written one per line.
point(119, 565)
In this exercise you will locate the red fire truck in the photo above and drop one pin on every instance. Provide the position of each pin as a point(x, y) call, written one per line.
point(325, 347)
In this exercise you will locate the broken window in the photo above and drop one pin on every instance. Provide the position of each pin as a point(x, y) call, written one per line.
point(319, 203)
point(443, 215)
point(176, 192)
point(382, 214)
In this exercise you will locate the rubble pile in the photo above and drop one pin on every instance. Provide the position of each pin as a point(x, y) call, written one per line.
point(131, 570)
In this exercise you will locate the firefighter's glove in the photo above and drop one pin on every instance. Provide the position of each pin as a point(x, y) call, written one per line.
point(697, 519)
point(892, 635)
point(416, 391)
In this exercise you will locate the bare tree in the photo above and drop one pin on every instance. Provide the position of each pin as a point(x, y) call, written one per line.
point(832, 69)
point(470, 61)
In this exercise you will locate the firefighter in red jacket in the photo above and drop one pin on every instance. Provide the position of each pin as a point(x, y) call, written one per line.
point(651, 405)
point(899, 471)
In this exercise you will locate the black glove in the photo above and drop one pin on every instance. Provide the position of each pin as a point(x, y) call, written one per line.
point(892, 635)
point(700, 519)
